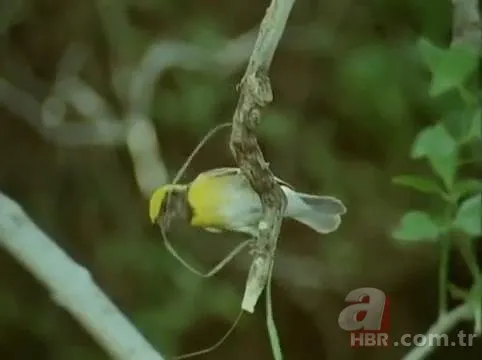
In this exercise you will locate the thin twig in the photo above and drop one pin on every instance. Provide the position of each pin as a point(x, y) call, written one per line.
point(255, 92)
point(445, 247)
point(441, 327)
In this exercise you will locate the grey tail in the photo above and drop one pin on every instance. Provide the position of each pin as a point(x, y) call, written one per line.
point(321, 213)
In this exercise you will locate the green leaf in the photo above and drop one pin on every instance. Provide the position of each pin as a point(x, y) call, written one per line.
point(436, 144)
point(272, 331)
point(416, 226)
point(431, 54)
point(469, 216)
point(419, 183)
point(453, 68)
point(445, 167)
point(462, 123)
point(467, 186)
point(433, 141)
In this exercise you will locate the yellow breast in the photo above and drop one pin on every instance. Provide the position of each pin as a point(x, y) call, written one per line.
point(207, 196)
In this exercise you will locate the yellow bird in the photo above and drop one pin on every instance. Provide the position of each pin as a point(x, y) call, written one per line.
point(223, 199)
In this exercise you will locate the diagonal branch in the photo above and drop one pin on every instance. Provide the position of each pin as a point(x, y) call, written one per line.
point(70, 285)
point(255, 93)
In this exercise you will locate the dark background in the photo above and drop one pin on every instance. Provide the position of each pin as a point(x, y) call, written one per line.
point(350, 94)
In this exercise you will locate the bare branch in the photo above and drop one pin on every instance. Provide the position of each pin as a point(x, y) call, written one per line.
point(70, 285)
point(255, 92)
point(164, 55)
point(149, 168)
point(48, 118)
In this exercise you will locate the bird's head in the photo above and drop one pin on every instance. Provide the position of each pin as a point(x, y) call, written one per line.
point(158, 203)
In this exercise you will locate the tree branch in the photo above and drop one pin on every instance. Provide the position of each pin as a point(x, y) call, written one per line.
point(70, 285)
point(255, 93)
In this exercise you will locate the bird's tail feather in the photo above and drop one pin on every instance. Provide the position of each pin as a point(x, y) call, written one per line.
point(321, 213)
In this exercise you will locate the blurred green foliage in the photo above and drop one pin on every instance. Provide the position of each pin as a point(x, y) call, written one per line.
point(462, 212)
point(450, 69)
point(363, 92)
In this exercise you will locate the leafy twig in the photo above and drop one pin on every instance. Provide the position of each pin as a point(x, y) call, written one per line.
point(466, 29)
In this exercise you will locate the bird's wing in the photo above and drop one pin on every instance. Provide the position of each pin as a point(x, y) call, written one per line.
point(230, 171)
